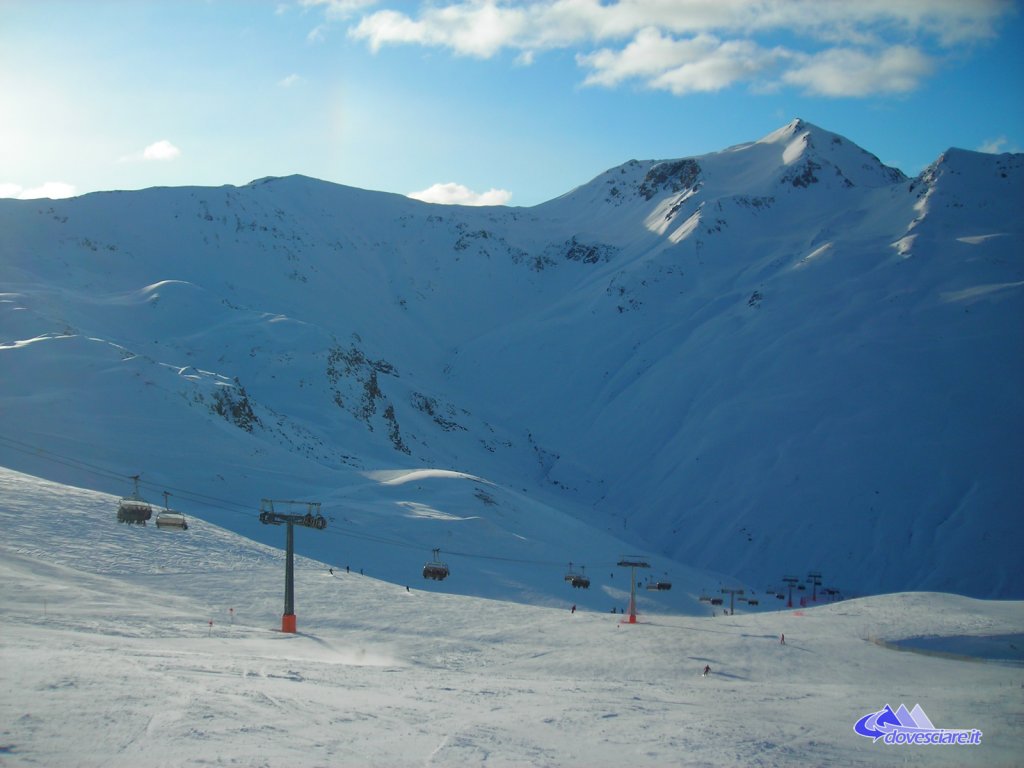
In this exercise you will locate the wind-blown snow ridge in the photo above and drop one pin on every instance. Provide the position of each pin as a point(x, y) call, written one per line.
point(401, 477)
point(777, 358)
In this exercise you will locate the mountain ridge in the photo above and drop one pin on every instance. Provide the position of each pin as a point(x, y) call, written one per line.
point(680, 364)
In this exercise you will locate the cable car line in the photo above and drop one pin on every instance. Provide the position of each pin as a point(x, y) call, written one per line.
point(240, 508)
point(57, 458)
point(31, 450)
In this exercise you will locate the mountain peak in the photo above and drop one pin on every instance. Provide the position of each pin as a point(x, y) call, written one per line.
point(812, 154)
point(789, 131)
point(971, 189)
point(797, 155)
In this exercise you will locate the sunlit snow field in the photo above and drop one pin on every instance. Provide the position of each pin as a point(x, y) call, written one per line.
point(132, 646)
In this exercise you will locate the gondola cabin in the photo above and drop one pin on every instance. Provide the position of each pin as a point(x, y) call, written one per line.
point(716, 601)
point(580, 582)
point(577, 580)
point(435, 569)
point(660, 586)
point(172, 520)
point(169, 519)
point(133, 509)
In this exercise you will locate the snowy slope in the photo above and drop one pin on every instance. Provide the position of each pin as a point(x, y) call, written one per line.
point(772, 359)
point(131, 646)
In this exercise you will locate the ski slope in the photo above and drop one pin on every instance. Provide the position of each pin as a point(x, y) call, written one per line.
point(131, 646)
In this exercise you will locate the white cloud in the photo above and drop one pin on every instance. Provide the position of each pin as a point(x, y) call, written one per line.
point(289, 81)
point(161, 150)
point(854, 72)
point(158, 150)
point(457, 194)
point(997, 146)
point(649, 54)
point(478, 28)
point(731, 62)
point(392, 27)
point(525, 59)
point(701, 63)
point(339, 9)
point(54, 190)
point(702, 45)
point(317, 34)
point(558, 23)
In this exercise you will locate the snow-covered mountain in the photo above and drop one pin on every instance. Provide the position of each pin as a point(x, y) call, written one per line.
point(777, 358)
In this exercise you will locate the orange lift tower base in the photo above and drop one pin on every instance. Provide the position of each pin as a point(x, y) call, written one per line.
point(309, 520)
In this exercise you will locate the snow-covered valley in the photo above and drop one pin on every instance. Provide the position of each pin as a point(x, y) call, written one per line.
point(132, 646)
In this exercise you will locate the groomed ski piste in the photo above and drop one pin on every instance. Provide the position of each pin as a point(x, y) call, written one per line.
point(131, 646)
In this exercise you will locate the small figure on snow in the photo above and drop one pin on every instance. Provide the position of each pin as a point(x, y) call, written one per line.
point(574, 609)
point(707, 669)
point(782, 639)
point(331, 570)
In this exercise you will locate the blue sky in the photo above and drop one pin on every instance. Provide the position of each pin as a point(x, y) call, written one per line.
point(483, 101)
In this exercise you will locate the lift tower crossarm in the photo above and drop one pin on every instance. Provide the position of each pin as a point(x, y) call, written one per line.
point(276, 518)
point(312, 518)
point(633, 563)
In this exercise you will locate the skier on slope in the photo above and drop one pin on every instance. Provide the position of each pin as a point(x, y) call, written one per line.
point(707, 669)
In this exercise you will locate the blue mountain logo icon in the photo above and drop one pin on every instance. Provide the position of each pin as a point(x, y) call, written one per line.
point(901, 726)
